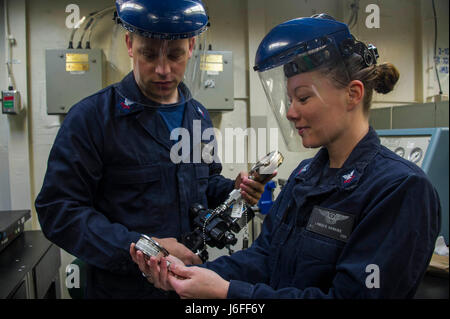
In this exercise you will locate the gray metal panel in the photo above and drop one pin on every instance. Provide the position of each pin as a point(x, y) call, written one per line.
point(413, 116)
point(220, 97)
point(380, 119)
point(442, 114)
point(65, 88)
point(436, 167)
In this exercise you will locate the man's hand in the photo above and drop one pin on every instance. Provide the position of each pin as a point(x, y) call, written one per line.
point(141, 260)
point(251, 190)
point(179, 250)
point(155, 269)
point(179, 253)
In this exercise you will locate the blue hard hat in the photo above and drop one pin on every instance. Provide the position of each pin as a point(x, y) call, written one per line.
point(308, 36)
point(318, 43)
point(163, 19)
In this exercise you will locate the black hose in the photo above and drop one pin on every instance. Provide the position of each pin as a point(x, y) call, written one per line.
point(435, 47)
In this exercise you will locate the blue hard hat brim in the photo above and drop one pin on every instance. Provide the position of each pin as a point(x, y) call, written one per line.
point(295, 37)
point(163, 19)
point(163, 36)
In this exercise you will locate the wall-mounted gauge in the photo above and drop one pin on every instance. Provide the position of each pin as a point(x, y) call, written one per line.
point(400, 151)
point(416, 155)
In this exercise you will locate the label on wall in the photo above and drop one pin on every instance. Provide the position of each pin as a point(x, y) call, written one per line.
point(77, 62)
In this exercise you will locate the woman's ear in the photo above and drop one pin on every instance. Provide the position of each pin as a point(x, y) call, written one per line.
point(355, 94)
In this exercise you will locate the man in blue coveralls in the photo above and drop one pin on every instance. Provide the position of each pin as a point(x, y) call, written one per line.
point(110, 177)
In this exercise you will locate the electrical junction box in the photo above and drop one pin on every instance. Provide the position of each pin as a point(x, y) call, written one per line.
point(428, 149)
point(72, 75)
point(217, 92)
point(11, 102)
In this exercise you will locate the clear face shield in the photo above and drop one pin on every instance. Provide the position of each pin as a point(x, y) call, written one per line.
point(304, 94)
point(167, 72)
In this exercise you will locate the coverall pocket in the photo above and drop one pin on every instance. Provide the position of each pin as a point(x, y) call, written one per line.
point(321, 248)
point(133, 175)
point(135, 189)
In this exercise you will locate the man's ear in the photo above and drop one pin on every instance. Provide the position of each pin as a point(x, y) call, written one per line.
point(129, 42)
point(355, 93)
point(191, 46)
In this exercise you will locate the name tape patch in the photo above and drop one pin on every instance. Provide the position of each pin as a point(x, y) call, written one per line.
point(331, 223)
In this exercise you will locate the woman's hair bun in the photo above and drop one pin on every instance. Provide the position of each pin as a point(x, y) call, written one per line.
point(387, 77)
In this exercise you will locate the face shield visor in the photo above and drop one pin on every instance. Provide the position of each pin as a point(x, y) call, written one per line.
point(303, 93)
point(166, 42)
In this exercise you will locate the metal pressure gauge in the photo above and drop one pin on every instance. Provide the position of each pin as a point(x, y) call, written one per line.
point(150, 247)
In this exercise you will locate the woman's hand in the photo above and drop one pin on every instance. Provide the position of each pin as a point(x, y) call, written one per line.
point(160, 270)
point(196, 282)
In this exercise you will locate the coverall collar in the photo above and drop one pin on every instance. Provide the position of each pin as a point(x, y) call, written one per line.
point(149, 119)
point(133, 100)
point(353, 168)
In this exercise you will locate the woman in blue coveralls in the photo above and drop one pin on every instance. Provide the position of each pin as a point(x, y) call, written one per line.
point(112, 173)
point(355, 221)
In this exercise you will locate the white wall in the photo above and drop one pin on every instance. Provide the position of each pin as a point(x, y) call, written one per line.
point(430, 85)
point(5, 191)
point(15, 128)
point(405, 38)
point(396, 39)
point(227, 33)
